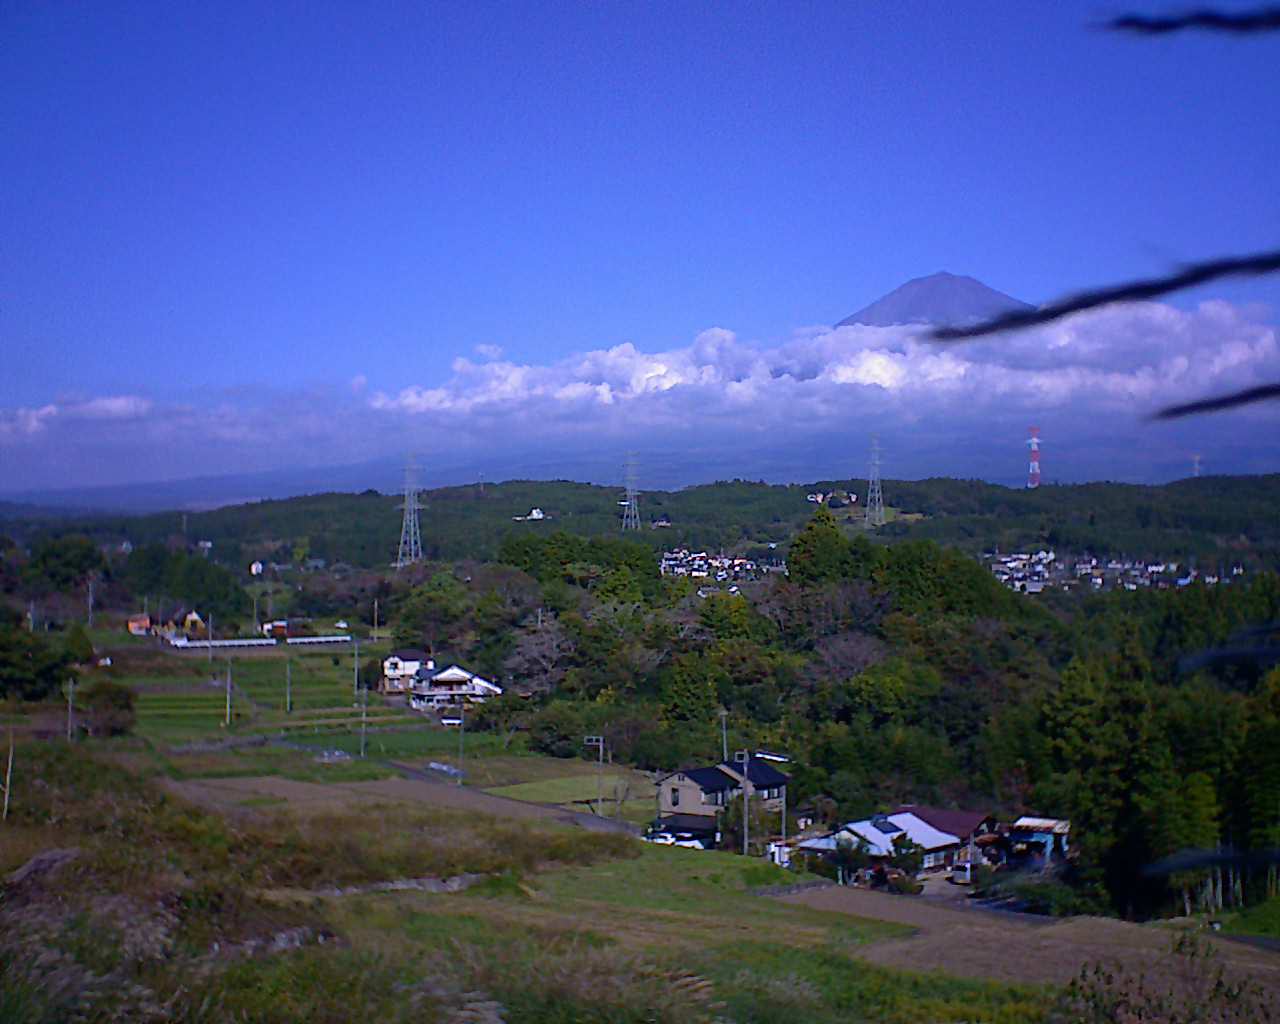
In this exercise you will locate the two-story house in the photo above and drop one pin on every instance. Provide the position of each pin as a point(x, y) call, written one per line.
point(690, 800)
point(449, 688)
point(401, 667)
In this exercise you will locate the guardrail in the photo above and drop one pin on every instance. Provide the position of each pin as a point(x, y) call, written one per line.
point(346, 639)
point(182, 643)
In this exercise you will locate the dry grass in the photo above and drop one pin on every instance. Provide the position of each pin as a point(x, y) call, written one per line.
point(978, 944)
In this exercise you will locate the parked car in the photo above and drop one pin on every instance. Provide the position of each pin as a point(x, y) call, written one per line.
point(661, 838)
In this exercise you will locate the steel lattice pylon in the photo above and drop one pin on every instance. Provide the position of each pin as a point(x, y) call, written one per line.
point(631, 504)
point(410, 536)
point(875, 498)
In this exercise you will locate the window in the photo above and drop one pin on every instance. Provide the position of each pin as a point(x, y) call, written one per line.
point(675, 796)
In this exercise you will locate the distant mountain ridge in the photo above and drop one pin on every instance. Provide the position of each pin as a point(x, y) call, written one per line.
point(939, 299)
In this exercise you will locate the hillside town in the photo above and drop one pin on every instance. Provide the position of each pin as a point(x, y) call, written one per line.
point(700, 565)
point(1035, 572)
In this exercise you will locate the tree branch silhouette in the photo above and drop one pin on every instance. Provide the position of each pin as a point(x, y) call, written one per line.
point(1246, 397)
point(1188, 277)
point(1263, 19)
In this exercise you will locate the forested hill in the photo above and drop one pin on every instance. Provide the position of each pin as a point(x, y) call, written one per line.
point(1213, 519)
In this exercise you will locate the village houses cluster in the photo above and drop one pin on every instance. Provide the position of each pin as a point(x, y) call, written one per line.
point(699, 565)
point(1034, 572)
point(691, 802)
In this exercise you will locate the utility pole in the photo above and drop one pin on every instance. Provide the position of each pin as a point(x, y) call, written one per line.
point(228, 722)
point(364, 720)
point(598, 743)
point(462, 734)
point(91, 580)
point(374, 634)
point(784, 812)
point(355, 666)
point(8, 778)
point(71, 698)
point(724, 734)
point(210, 640)
point(288, 685)
point(745, 757)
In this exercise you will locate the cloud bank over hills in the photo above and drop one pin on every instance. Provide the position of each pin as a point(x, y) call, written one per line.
point(718, 406)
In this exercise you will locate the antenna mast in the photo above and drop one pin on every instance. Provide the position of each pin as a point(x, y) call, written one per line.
point(410, 537)
point(1033, 472)
point(875, 498)
point(631, 506)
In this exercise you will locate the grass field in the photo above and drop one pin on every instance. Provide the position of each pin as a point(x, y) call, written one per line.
point(1263, 919)
point(634, 789)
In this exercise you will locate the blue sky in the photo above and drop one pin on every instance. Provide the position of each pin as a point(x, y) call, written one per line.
point(273, 226)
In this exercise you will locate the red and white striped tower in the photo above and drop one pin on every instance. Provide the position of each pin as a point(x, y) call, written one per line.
point(1033, 472)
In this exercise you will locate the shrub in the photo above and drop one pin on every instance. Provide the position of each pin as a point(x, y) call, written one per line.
point(905, 885)
point(110, 709)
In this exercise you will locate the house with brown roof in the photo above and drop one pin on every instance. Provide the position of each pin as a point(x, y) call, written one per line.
point(976, 830)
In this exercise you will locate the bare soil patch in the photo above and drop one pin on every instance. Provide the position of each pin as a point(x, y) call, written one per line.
point(980, 944)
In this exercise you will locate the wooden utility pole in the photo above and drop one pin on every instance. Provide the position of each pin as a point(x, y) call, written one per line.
point(8, 779)
point(288, 685)
point(598, 743)
point(71, 699)
point(228, 722)
point(462, 733)
point(364, 720)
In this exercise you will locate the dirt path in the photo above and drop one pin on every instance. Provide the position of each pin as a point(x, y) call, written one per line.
point(982, 944)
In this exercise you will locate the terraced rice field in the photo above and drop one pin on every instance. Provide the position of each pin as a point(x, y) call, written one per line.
point(184, 707)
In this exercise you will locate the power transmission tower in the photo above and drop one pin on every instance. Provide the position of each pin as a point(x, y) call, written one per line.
point(631, 506)
point(875, 499)
point(410, 537)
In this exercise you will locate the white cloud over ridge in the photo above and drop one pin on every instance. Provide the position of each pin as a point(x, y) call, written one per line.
point(1122, 360)
point(800, 409)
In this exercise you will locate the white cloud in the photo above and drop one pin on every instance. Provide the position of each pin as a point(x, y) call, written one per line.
point(1128, 358)
point(24, 422)
point(114, 407)
point(795, 409)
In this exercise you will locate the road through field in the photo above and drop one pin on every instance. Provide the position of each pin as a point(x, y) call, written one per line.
point(1009, 947)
